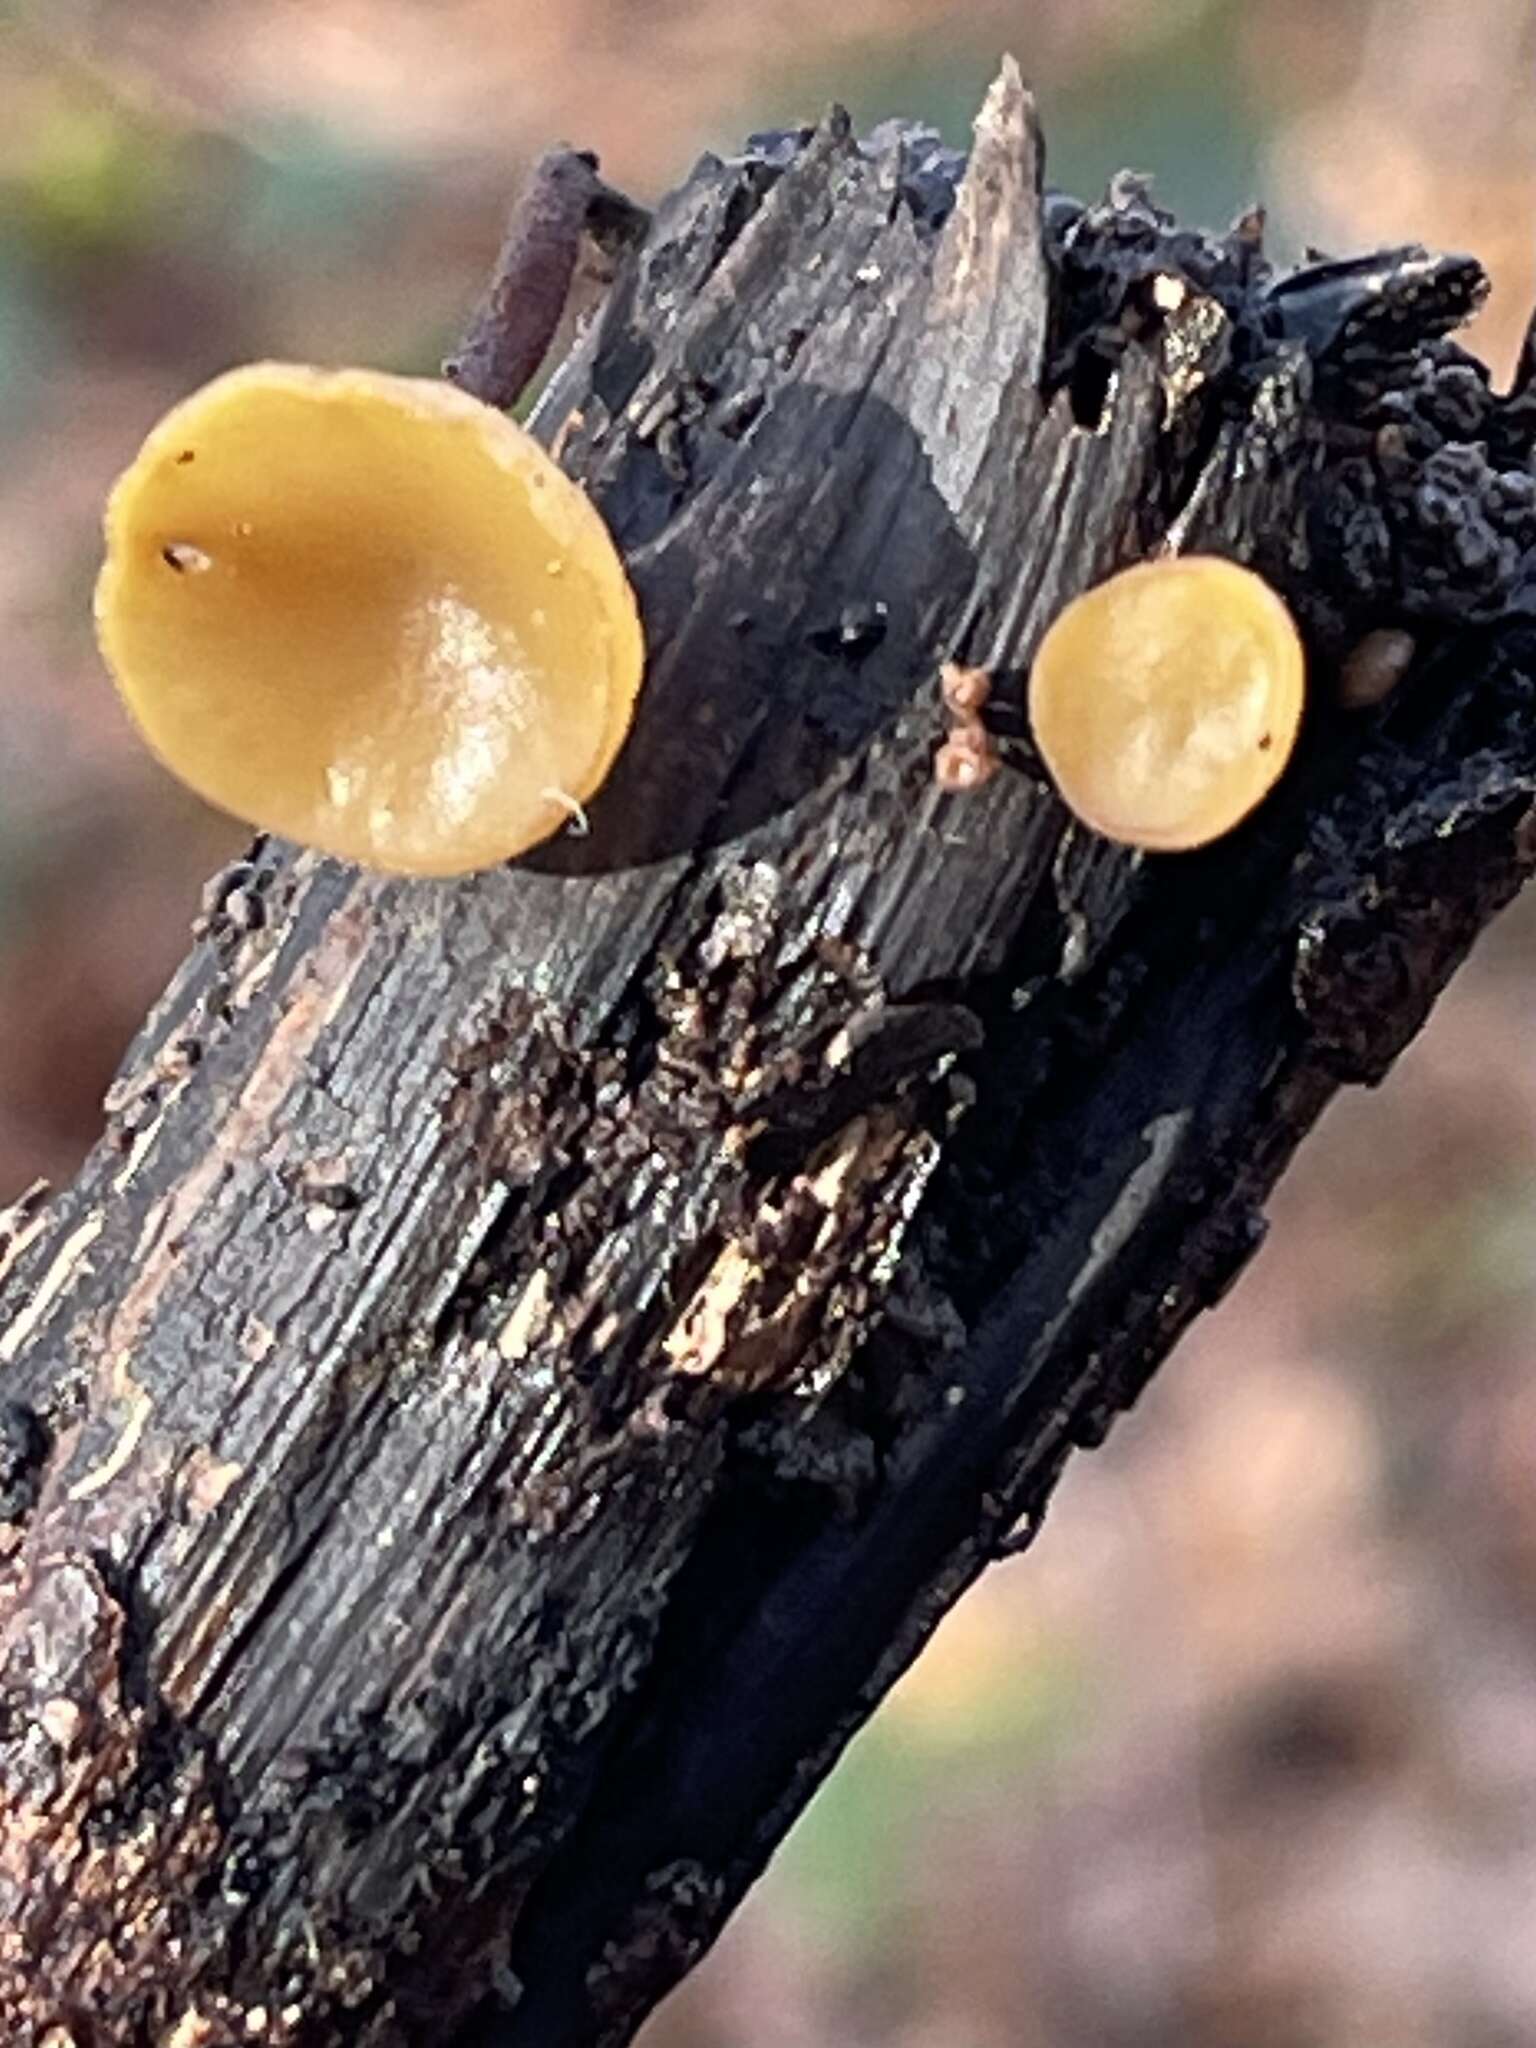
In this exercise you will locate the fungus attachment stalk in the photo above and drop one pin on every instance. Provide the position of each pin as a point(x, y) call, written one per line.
point(1167, 700)
point(370, 614)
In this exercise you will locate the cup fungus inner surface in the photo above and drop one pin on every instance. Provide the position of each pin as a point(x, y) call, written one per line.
point(1166, 700)
point(370, 614)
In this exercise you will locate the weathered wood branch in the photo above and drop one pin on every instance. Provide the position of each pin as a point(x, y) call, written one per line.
point(532, 1358)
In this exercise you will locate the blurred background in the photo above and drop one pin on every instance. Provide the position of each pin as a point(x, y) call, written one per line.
point(1244, 1754)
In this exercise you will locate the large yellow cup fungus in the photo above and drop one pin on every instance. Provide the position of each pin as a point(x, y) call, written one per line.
point(370, 614)
point(1166, 701)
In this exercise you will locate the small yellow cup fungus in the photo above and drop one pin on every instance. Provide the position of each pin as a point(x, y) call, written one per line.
point(1166, 701)
point(370, 614)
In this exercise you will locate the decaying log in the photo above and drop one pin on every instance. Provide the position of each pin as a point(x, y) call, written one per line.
point(532, 1357)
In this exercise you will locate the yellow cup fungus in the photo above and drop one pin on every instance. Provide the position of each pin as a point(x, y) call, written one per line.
point(1166, 701)
point(370, 614)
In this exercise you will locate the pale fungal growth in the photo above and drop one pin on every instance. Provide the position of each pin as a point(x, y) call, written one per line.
point(1166, 701)
point(968, 758)
point(965, 690)
point(963, 763)
point(370, 614)
point(1374, 667)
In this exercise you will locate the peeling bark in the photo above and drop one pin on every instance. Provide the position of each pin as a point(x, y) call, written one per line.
point(532, 1358)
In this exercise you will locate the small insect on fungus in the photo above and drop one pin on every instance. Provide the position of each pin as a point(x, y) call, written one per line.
point(1166, 701)
point(370, 614)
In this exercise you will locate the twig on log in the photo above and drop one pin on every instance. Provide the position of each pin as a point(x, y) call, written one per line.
point(511, 329)
point(533, 1358)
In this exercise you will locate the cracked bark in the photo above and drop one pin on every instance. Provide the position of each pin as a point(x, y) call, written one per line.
point(532, 1358)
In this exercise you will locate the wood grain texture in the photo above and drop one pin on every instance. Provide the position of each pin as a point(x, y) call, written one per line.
point(533, 1357)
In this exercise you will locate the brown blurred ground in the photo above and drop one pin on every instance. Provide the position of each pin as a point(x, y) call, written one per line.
point(1244, 1755)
